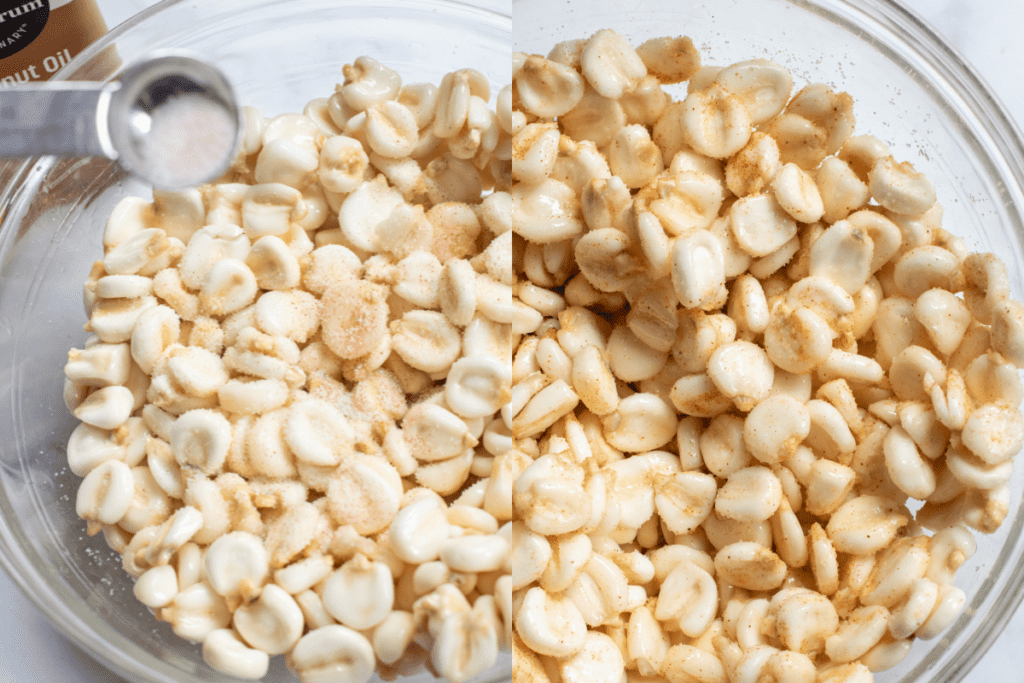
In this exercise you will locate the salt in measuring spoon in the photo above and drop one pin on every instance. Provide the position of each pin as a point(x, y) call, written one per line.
point(172, 119)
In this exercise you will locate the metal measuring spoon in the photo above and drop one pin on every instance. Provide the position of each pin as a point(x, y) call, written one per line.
point(171, 119)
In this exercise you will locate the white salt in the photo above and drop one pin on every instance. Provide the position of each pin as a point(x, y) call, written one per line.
point(190, 141)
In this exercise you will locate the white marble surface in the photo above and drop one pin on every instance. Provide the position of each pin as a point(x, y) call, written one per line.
point(985, 31)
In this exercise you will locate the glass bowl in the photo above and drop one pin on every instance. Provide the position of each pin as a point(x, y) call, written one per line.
point(915, 92)
point(279, 54)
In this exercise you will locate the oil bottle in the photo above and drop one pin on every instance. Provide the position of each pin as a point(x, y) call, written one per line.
point(39, 37)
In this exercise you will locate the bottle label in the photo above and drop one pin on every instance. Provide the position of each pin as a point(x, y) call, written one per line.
point(38, 37)
point(20, 24)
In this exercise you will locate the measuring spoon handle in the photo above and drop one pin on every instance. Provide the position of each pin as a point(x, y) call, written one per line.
point(64, 119)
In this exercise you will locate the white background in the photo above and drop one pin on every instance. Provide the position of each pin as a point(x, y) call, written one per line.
point(987, 32)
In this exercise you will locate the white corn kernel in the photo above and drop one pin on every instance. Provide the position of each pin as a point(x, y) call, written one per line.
point(287, 162)
point(157, 587)
point(900, 188)
point(354, 318)
point(865, 525)
point(723, 447)
point(828, 485)
point(99, 365)
point(787, 533)
point(633, 157)
point(689, 663)
point(741, 371)
point(547, 88)
point(295, 127)
point(134, 254)
point(368, 82)
point(801, 142)
point(670, 60)
point(544, 409)
point(750, 565)
point(230, 286)
point(201, 439)
point(549, 497)
point(466, 645)
point(949, 549)
point(994, 433)
point(302, 575)
point(685, 500)
point(646, 642)
point(797, 194)
point(688, 597)
point(535, 149)
point(944, 316)
point(237, 564)
point(797, 340)
point(364, 212)
point(804, 620)
point(106, 408)
point(273, 264)
point(106, 493)
point(364, 492)
point(924, 268)
point(910, 616)
point(196, 612)
point(426, 340)
point(317, 433)
point(950, 602)
point(600, 592)
point(269, 209)
point(698, 270)
point(752, 494)
point(752, 169)
point(392, 637)
point(907, 468)
point(474, 554)
point(898, 566)
point(565, 567)
point(599, 660)
point(642, 422)
point(550, 624)
point(359, 594)
point(391, 129)
point(858, 634)
point(775, 427)
point(842, 192)
point(273, 623)
point(762, 86)
point(843, 254)
point(855, 672)
point(887, 654)
point(333, 651)
point(861, 152)
point(760, 224)
point(747, 304)
point(343, 163)
point(225, 652)
point(419, 530)
point(824, 560)
point(686, 200)
point(715, 122)
point(610, 64)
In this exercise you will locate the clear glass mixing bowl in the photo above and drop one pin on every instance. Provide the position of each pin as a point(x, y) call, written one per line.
point(912, 90)
point(279, 54)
